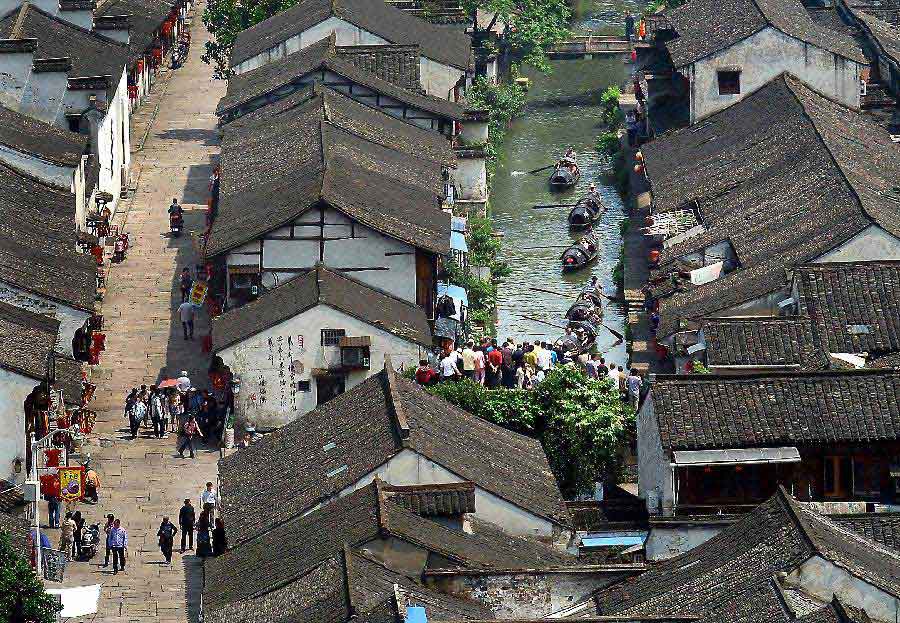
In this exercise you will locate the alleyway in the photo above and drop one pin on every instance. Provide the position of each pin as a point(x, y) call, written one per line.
point(145, 479)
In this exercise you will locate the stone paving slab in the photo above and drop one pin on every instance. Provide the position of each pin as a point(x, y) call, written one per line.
point(144, 479)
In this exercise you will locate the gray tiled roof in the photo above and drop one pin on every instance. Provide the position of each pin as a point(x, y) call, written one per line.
point(26, 341)
point(762, 342)
point(349, 586)
point(146, 17)
point(886, 36)
point(883, 528)
point(92, 54)
point(854, 307)
point(280, 554)
point(42, 140)
point(37, 242)
point(322, 286)
point(784, 176)
point(441, 500)
point(445, 45)
point(696, 412)
point(705, 27)
point(277, 169)
point(12, 518)
point(247, 86)
point(731, 576)
point(366, 426)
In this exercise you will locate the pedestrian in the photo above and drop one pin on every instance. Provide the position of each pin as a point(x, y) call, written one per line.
point(507, 367)
point(544, 358)
point(188, 432)
point(602, 369)
point(633, 385)
point(144, 398)
point(79, 531)
point(203, 545)
point(629, 26)
point(449, 371)
point(480, 365)
point(425, 375)
point(468, 361)
point(613, 375)
point(92, 485)
point(590, 366)
point(118, 543)
point(67, 534)
point(52, 511)
point(155, 410)
point(492, 375)
point(138, 413)
point(130, 402)
point(186, 314)
point(219, 540)
point(208, 500)
point(175, 411)
point(186, 520)
point(166, 534)
point(107, 529)
point(187, 282)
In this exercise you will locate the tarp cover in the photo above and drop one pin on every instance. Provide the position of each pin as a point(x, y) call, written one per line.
point(787, 454)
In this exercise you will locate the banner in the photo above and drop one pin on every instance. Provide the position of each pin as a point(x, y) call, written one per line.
point(198, 293)
point(71, 483)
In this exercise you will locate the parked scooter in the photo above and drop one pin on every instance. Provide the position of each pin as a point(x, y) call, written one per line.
point(90, 541)
point(176, 224)
point(120, 249)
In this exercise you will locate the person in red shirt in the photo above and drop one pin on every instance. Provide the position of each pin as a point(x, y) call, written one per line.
point(492, 374)
point(424, 374)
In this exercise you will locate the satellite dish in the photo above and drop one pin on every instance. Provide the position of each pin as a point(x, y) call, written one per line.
point(269, 280)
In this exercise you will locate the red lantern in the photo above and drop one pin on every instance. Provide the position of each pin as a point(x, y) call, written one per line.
point(93, 355)
point(140, 65)
point(99, 340)
point(53, 455)
point(49, 485)
point(157, 54)
point(132, 91)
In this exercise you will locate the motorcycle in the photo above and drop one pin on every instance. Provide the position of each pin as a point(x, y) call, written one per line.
point(90, 541)
point(176, 224)
point(121, 248)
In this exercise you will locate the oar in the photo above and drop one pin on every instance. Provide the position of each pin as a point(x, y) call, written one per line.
point(541, 169)
point(541, 248)
point(553, 205)
point(618, 335)
point(533, 319)
point(564, 294)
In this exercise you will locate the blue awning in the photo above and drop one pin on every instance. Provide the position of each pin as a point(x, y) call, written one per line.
point(458, 242)
point(613, 540)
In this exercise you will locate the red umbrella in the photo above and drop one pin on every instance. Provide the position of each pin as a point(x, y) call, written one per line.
point(167, 383)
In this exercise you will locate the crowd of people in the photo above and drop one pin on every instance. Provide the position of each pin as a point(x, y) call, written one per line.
point(523, 366)
point(182, 409)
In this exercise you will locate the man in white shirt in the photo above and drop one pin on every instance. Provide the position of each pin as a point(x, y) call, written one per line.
point(449, 371)
point(544, 358)
point(208, 500)
point(613, 375)
point(186, 313)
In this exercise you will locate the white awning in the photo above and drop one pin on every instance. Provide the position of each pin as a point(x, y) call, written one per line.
point(736, 456)
point(77, 601)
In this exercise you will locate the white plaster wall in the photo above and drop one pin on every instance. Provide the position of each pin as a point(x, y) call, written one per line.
point(765, 306)
point(668, 542)
point(439, 79)
point(470, 179)
point(15, 72)
point(45, 97)
point(654, 471)
point(14, 389)
point(70, 319)
point(265, 363)
point(873, 243)
point(764, 56)
point(84, 19)
point(823, 579)
point(408, 467)
point(53, 174)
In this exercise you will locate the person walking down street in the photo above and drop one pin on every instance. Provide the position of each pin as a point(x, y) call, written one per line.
point(219, 540)
point(633, 384)
point(186, 314)
point(107, 529)
point(79, 530)
point(53, 511)
point(186, 519)
point(166, 534)
point(186, 282)
point(118, 543)
point(188, 432)
point(92, 485)
point(629, 26)
point(67, 534)
point(133, 422)
point(203, 543)
point(479, 365)
point(208, 500)
point(176, 409)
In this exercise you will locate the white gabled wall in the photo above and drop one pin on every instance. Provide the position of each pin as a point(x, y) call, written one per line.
point(70, 319)
point(873, 243)
point(14, 389)
point(655, 478)
point(272, 363)
point(762, 57)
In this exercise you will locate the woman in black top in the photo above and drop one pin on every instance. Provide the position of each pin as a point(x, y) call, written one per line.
point(219, 540)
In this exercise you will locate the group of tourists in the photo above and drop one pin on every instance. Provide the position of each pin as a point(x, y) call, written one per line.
point(521, 366)
point(190, 413)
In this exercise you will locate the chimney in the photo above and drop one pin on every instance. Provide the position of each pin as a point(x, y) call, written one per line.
point(117, 27)
point(16, 60)
point(78, 12)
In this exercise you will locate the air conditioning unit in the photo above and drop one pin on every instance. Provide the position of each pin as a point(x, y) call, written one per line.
point(355, 356)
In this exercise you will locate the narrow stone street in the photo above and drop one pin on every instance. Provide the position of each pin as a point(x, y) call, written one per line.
point(145, 479)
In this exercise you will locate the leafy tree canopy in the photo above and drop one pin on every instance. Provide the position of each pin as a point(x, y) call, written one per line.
point(532, 26)
point(22, 595)
point(580, 422)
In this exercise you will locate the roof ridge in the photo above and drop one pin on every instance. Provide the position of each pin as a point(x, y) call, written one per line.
point(19, 25)
point(347, 572)
point(74, 26)
point(380, 509)
point(401, 424)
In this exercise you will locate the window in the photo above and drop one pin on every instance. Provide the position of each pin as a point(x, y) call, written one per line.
point(867, 472)
point(838, 476)
point(332, 337)
point(729, 82)
point(304, 386)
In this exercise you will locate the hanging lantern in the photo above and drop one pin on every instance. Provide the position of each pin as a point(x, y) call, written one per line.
point(53, 455)
point(140, 65)
point(132, 91)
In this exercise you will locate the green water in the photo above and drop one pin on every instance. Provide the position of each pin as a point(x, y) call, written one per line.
point(562, 111)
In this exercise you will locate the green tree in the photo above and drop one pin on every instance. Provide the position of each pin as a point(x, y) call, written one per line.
point(532, 26)
point(22, 596)
point(580, 422)
point(225, 19)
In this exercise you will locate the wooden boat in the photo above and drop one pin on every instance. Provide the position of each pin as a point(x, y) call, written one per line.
point(565, 175)
point(586, 212)
point(580, 254)
point(585, 319)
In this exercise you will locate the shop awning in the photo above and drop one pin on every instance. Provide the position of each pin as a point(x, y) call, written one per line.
point(611, 540)
point(736, 456)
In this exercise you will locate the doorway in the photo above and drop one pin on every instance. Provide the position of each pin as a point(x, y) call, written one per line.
point(329, 386)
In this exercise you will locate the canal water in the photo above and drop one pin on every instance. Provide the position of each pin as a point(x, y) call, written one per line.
point(563, 110)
